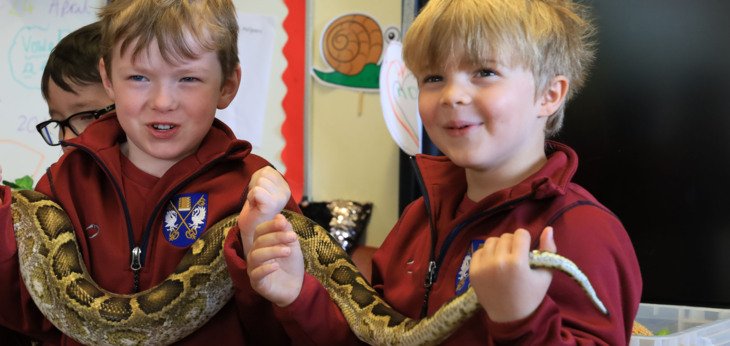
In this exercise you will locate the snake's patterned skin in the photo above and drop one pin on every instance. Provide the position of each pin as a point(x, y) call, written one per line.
point(200, 286)
point(58, 282)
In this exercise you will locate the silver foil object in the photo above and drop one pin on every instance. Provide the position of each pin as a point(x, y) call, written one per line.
point(349, 220)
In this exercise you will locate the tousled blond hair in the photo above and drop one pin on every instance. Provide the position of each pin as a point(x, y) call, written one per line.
point(548, 37)
point(212, 24)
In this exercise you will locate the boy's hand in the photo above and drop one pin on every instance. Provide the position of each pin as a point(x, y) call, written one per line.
point(507, 288)
point(275, 262)
point(268, 194)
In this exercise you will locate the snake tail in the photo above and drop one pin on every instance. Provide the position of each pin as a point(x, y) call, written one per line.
point(549, 260)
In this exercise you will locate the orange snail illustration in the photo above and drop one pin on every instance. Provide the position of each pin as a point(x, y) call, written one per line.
point(352, 45)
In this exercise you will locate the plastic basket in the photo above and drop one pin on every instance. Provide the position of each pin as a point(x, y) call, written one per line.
point(683, 326)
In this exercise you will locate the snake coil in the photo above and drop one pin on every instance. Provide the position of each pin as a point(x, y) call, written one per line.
point(61, 287)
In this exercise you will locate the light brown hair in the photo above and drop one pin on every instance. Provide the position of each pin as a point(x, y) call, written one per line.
point(548, 37)
point(211, 23)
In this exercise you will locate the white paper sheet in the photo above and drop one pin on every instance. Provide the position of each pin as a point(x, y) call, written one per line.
point(245, 115)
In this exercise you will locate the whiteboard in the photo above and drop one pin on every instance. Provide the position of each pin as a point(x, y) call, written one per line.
point(29, 29)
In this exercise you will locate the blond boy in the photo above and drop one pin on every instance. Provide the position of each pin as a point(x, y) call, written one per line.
point(494, 76)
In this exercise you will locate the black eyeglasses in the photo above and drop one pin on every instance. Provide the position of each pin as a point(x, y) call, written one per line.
point(52, 131)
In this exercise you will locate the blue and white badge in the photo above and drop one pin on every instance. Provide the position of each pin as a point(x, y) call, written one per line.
point(185, 218)
point(462, 279)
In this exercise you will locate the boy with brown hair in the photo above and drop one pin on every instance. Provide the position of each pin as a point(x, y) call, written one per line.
point(494, 76)
point(72, 87)
point(141, 185)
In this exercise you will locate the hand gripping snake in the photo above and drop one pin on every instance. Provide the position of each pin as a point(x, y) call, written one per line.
point(56, 277)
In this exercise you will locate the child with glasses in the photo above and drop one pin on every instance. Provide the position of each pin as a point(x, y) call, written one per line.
point(71, 86)
point(493, 79)
point(144, 182)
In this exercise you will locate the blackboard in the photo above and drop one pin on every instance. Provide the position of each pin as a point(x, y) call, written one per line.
point(650, 129)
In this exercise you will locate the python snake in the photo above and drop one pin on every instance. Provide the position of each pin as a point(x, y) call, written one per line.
point(56, 277)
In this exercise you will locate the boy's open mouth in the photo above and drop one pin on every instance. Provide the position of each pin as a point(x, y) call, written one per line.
point(163, 127)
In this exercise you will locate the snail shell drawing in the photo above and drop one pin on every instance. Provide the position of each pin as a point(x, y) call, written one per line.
point(351, 42)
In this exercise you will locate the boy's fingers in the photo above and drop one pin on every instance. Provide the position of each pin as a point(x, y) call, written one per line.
point(264, 256)
point(485, 250)
point(274, 182)
point(278, 224)
point(547, 240)
point(521, 241)
point(260, 272)
point(258, 195)
point(266, 183)
point(504, 244)
point(489, 245)
point(266, 196)
point(274, 239)
point(266, 176)
point(272, 175)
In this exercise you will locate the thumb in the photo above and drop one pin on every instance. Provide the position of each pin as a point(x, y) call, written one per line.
point(244, 215)
point(253, 197)
point(547, 242)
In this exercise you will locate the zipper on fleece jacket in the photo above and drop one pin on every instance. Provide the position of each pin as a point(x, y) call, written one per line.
point(138, 253)
point(434, 264)
point(134, 251)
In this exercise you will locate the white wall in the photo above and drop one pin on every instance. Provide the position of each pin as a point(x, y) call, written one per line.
point(29, 29)
point(351, 154)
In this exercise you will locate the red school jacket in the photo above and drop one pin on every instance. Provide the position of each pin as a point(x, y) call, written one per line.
point(108, 200)
point(584, 230)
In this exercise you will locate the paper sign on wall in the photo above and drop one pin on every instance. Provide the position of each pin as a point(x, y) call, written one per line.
point(399, 100)
point(245, 115)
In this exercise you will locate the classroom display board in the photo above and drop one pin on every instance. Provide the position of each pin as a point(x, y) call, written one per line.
point(31, 28)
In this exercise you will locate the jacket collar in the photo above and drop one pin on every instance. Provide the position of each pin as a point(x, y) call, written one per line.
point(441, 175)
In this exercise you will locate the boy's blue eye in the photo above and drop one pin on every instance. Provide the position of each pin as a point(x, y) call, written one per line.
point(188, 79)
point(432, 79)
point(137, 78)
point(486, 73)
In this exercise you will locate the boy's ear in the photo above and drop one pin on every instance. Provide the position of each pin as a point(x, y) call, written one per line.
point(105, 79)
point(229, 89)
point(554, 95)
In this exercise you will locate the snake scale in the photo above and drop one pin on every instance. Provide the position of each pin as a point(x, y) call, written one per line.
point(56, 277)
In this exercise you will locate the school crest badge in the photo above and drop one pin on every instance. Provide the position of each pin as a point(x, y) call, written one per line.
point(462, 279)
point(185, 218)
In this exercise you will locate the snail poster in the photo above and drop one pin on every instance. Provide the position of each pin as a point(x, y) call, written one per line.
point(352, 45)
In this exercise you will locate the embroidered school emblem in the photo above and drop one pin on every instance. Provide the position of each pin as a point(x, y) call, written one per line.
point(185, 218)
point(462, 279)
